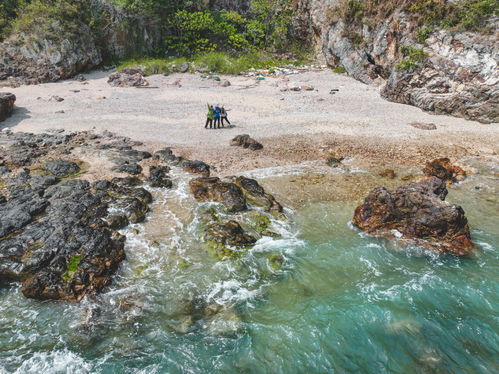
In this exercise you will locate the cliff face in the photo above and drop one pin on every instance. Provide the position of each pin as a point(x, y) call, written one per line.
point(456, 73)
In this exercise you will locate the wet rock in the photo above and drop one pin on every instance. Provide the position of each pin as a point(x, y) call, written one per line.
point(117, 221)
point(7, 101)
point(256, 195)
point(61, 168)
point(128, 77)
point(158, 177)
point(198, 167)
point(212, 189)
point(130, 168)
point(443, 169)
point(424, 126)
point(416, 212)
point(221, 236)
point(387, 173)
point(246, 141)
point(166, 155)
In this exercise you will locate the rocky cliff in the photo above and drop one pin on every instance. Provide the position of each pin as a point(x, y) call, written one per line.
point(445, 72)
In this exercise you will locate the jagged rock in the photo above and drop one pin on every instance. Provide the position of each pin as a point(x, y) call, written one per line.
point(227, 239)
point(198, 167)
point(246, 141)
point(256, 195)
point(61, 168)
point(416, 212)
point(158, 177)
point(212, 189)
point(7, 101)
point(128, 77)
point(56, 98)
point(130, 168)
point(334, 162)
point(443, 169)
point(424, 126)
point(166, 155)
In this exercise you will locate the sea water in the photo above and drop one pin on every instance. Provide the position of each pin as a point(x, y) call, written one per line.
point(342, 301)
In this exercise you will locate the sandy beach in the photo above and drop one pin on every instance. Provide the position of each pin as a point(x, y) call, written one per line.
point(293, 126)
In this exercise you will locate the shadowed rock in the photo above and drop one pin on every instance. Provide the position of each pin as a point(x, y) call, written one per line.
point(256, 195)
point(7, 101)
point(418, 212)
point(158, 177)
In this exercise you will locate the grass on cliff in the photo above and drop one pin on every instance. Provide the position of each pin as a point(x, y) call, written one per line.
point(213, 62)
point(460, 15)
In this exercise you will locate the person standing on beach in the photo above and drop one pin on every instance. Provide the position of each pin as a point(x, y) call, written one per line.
point(217, 117)
point(209, 116)
point(223, 116)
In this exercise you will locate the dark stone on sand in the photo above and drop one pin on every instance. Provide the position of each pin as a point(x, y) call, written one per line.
point(61, 168)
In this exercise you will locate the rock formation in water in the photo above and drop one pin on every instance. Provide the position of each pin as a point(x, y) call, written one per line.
point(7, 101)
point(416, 212)
point(57, 236)
point(443, 169)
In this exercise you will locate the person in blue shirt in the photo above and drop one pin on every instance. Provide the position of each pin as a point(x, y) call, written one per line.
point(217, 117)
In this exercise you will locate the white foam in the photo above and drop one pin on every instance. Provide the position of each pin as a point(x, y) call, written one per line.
point(55, 362)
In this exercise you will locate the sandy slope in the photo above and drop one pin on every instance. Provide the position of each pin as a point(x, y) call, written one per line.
point(293, 126)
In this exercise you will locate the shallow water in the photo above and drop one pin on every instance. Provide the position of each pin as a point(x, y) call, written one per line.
point(342, 302)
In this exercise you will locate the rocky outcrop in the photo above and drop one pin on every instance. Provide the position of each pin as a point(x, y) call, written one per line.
point(7, 101)
point(444, 170)
point(246, 141)
point(56, 235)
point(129, 77)
point(454, 73)
point(419, 213)
point(256, 195)
point(29, 59)
point(227, 238)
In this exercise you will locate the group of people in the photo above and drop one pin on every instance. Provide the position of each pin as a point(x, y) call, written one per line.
point(216, 117)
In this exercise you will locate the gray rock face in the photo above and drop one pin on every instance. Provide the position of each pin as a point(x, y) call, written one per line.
point(130, 77)
point(459, 76)
point(26, 59)
point(7, 101)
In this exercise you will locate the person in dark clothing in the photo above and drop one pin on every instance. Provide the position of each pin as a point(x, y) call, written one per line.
point(217, 117)
point(223, 116)
point(209, 116)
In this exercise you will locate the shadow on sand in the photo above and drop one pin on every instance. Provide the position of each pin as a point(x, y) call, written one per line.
point(19, 114)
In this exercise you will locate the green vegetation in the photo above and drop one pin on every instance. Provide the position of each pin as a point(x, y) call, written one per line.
point(214, 62)
point(339, 70)
point(460, 15)
point(412, 57)
point(73, 263)
point(8, 12)
point(423, 34)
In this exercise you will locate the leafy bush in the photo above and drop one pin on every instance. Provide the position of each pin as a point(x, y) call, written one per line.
point(214, 62)
point(412, 57)
point(8, 12)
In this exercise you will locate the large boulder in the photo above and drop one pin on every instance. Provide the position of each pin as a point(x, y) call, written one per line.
point(227, 239)
point(7, 101)
point(128, 77)
point(256, 195)
point(246, 141)
point(417, 212)
point(213, 189)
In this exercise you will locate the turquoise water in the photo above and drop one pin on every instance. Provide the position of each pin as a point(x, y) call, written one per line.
point(343, 302)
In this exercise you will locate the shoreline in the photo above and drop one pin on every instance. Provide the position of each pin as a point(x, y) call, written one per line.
point(292, 126)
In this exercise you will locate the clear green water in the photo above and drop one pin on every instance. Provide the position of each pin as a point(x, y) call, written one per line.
point(343, 302)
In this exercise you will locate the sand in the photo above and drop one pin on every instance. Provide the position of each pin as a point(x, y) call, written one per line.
point(293, 126)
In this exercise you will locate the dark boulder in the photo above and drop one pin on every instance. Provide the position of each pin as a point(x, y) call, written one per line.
point(443, 169)
point(417, 212)
point(7, 101)
point(198, 167)
point(166, 155)
point(61, 168)
point(158, 177)
point(246, 141)
point(256, 195)
point(212, 189)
